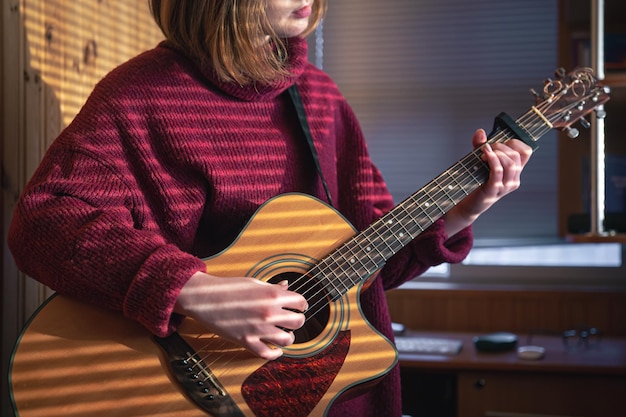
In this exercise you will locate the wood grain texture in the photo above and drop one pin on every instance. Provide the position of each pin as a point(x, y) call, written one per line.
point(516, 309)
point(71, 45)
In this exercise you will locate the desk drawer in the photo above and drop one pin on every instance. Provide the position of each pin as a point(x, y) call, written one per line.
point(519, 394)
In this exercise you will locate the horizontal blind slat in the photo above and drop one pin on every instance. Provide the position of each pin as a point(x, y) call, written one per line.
point(423, 75)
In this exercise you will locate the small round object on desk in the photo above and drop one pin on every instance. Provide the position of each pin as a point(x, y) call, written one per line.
point(530, 352)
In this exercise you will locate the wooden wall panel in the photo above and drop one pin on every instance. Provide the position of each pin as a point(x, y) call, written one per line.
point(518, 310)
point(72, 44)
point(54, 52)
point(67, 47)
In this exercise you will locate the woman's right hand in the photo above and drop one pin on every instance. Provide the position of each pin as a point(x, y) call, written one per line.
point(247, 311)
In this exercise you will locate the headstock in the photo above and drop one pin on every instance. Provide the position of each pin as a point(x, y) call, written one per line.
point(570, 97)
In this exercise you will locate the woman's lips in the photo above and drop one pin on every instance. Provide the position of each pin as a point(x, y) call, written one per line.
point(303, 12)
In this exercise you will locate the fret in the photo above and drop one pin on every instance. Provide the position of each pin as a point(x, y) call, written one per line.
point(367, 252)
point(446, 190)
point(406, 233)
point(481, 166)
point(381, 238)
point(454, 174)
point(394, 235)
point(359, 268)
point(363, 242)
point(328, 282)
point(432, 202)
point(343, 273)
point(473, 174)
point(412, 225)
point(442, 202)
point(397, 230)
point(428, 205)
point(348, 276)
point(358, 253)
point(416, 219)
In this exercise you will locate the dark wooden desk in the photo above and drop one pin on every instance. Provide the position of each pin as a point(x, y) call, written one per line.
point(587, 381)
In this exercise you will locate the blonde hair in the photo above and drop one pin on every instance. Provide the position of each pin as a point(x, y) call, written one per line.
point(227, 35)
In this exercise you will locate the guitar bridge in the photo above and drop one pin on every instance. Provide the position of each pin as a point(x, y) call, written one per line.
point(196, 379)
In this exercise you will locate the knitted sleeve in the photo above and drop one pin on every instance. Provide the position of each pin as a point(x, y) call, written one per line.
point(75, 228)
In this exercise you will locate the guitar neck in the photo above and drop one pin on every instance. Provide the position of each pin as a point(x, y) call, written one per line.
point(564, 100)
point(367, 252)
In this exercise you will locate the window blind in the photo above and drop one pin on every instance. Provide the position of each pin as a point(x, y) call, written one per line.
point(423, 75)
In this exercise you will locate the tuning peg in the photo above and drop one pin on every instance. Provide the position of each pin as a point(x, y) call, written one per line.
point(566, 116)
point(534, 93)
point(572, 132)
point(585, 123)
point(560, 72)
point(600, 113)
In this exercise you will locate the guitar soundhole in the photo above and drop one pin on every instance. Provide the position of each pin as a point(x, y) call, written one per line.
point(319, 311)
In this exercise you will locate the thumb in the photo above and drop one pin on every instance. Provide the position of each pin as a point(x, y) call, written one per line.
point(479, 138)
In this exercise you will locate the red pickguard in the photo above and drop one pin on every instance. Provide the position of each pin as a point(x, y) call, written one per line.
point(302, 383)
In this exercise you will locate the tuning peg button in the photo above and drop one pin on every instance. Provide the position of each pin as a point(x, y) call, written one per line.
point(585, 123)
point(572, 132)
point(567, 116)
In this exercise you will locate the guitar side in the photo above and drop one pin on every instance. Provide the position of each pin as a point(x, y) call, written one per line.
point(78, 360)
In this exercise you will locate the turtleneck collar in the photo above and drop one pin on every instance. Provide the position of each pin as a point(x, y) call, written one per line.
point(297, 58)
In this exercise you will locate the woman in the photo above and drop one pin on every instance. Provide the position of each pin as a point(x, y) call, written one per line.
point(176, 149)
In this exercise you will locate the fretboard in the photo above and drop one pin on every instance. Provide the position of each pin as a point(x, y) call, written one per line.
point(368, 251)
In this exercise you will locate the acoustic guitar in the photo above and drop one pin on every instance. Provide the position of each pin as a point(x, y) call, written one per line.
point(76, 360)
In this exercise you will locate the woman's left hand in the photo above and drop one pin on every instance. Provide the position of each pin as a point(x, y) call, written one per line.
point(506, 162)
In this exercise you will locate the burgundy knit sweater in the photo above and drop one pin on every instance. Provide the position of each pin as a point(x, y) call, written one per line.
point(164, 165)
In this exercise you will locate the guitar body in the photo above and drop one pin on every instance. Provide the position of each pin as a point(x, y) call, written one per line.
point(80, 361)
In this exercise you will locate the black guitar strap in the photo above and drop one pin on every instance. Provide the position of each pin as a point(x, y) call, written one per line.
point(294, 94)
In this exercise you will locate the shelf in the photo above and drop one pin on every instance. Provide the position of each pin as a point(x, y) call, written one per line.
point(579, 164)
point(591, 238)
